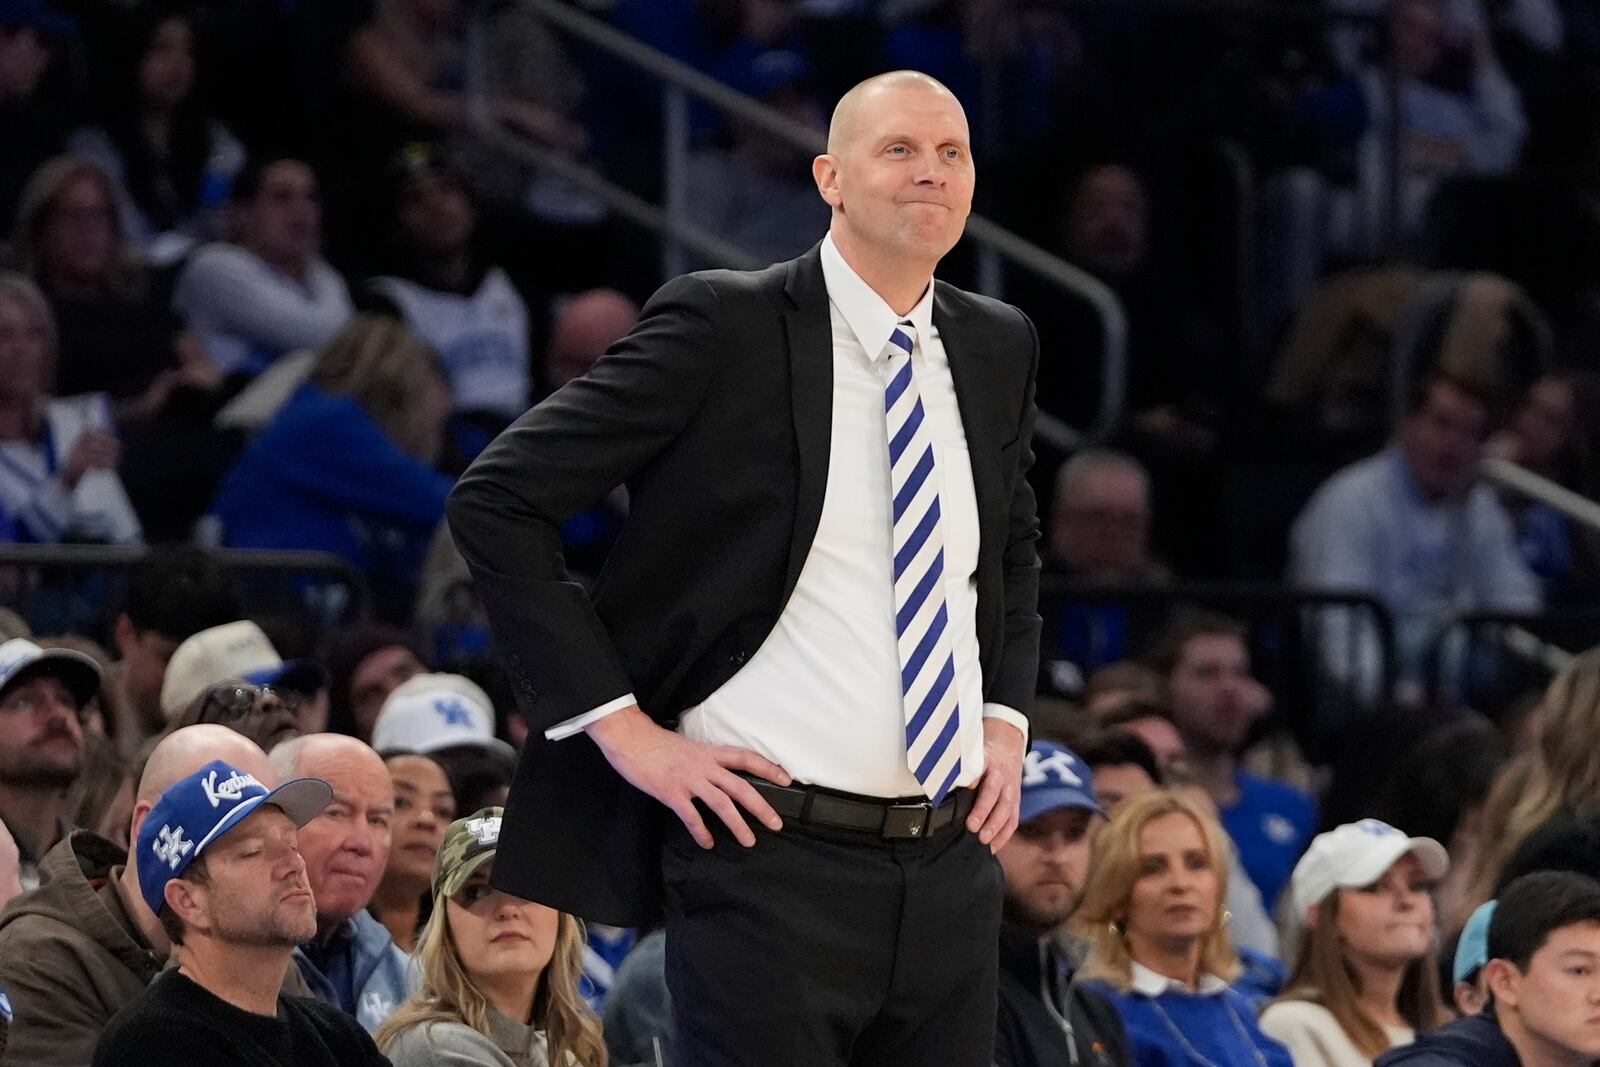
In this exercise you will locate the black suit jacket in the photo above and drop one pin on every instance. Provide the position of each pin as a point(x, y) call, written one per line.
point(716, 412)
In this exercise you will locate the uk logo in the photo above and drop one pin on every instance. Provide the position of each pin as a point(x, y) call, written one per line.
point(1375, 828)
point(486, 831)
point(452, 711)
point(170, 846)
point(1038, 769)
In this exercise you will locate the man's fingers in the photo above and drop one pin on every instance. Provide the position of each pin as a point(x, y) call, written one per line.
point(685, 810)
point(742, 759)
point(1004, 834)
point(988, 794)
point(724, 808)
point(997, 817)
point(747, 797)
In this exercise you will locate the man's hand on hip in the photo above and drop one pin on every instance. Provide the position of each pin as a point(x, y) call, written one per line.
point(994, 813)
point(677, 772)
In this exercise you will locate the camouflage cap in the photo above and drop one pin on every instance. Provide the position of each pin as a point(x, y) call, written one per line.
point(469, 843)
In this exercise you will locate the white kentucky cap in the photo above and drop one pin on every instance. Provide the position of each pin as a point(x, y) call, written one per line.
point(1357, 854)
point(233, 650)
point(431, 712)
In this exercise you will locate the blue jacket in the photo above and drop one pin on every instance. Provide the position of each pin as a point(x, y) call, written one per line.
point(1168, 1030)
point(383, 975)
point(324, 475)
point(1475, 1041)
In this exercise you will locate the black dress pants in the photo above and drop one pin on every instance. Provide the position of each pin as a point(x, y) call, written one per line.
point(821, 947)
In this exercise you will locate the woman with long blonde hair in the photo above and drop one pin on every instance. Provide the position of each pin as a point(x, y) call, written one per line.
point(1560, 774)
point(1159, 944)
point(1366, 979)
point(348, 464)
point(499, 974)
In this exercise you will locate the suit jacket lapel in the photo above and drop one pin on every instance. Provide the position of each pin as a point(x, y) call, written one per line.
point(964, 346)
point(810, 334)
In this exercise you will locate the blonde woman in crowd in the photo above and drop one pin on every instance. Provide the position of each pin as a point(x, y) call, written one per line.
point(1366, 979)
point(1159, 941)
point(347, 466)
point(1561, 774)
point(499, 974)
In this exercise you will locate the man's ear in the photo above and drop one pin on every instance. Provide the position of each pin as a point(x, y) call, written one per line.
point(188, 902)
point(1504, 981)
point(141, 811)
point(1312, 911)
point(825, 171)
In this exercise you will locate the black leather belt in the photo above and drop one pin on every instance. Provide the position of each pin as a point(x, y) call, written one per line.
point(900, 819)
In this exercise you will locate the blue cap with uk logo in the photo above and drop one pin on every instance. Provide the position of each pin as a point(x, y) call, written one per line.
point(1053, 777)
point(197, 811)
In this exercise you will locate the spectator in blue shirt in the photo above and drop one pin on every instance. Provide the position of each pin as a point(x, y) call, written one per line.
point(1205, 664)
point(1413, 527)
point(347, 465)
point(1153, 913)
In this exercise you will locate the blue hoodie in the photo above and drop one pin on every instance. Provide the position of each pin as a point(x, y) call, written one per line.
point(324, 475)
point(1475, 1041)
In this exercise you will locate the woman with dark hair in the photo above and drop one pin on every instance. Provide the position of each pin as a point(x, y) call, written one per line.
point(171, 161)
point(1366, 979)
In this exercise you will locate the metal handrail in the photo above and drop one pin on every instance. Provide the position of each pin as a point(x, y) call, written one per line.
point(288, 561)
point(681, 79)
point(1522, 481)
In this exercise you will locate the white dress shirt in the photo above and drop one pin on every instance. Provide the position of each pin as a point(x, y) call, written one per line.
point(821, 696)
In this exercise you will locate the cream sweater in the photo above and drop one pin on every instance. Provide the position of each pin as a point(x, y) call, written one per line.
point(1315, 1038)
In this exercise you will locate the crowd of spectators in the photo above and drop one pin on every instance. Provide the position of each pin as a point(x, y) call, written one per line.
point(267, 282)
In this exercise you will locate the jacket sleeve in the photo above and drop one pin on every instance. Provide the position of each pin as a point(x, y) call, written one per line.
point(56, 1015)
point(558, 459)
point(1018, 674)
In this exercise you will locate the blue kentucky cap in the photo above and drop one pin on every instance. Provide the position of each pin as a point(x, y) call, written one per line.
point(1054, 777)
point(198, 810)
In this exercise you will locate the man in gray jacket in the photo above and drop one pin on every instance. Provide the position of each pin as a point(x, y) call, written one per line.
point(77, 949)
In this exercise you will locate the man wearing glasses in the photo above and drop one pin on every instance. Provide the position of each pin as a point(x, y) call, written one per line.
point(259, 712)
point(42, 696)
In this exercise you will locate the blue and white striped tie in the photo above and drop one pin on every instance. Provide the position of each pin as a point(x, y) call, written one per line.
point(922, 620)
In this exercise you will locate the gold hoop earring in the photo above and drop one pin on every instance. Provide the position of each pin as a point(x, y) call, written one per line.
point(1117, 929)
point(1227, 916)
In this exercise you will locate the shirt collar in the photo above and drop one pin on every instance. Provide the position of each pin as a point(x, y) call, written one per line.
point(864, 311)
point(1148, 983)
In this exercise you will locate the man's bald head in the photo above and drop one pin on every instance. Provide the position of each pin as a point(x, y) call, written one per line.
point(346, 847)
point(303, 756)
point(846, 123)
point(584, 328)
point(185, 751)
point(898, 175)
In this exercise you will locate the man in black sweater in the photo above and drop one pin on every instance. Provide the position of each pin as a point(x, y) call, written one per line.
point(1045, 1018)
point(219, 864)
